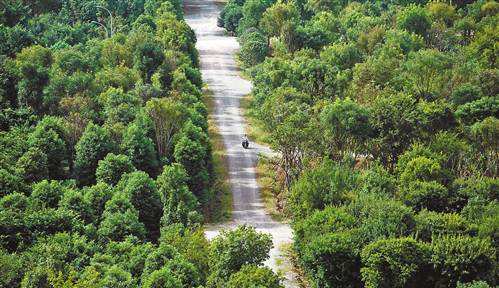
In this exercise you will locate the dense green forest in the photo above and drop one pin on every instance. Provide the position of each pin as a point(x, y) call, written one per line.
point(385, 117)
point(105, 161)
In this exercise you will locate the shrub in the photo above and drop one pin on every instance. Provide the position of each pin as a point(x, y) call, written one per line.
point(463, 259)
point(332, 260)
point(425, 195)
point(253, 276)
point(232, 249)
point(47, 193)
point(430, 224)
point(397, 263)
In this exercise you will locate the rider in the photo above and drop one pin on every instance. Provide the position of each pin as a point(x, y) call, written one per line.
point(245, 139)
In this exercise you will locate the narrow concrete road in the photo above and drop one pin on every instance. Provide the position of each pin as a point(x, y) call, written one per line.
point(220, 72)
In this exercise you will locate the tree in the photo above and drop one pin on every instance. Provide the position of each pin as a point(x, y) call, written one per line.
point(254, 276)
point(120, 219)
point(281, 20)
point(401, 262)
point(426, 73)
point(49, 136)
point(478, 110)
point(317, 6)
point(179, 204)
point(33, 165)
point(394, 120)
point(347, 126)
point(254, 48)
point(414, 19)
point(94, 145)
point(140, 149)
point(112, 168)
point(232, 249)
point(167, 116)
point(192, 150)
point(317, 188)
point(33, 64)
point(431, 224)
point(162, 278)
point(230, 16)
point(147, 57)
point(144, 195)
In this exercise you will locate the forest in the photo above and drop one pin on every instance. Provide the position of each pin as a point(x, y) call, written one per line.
point(384, 115)
point(106, 171)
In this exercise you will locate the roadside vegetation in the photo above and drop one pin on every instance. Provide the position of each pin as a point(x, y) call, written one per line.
point(219, 209)
point(385, 118)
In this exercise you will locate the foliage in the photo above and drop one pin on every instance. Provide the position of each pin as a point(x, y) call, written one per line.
point(231, 250)
point(110, 169)
point(251, 276)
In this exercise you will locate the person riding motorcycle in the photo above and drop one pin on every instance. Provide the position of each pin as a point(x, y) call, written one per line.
point(245, 142)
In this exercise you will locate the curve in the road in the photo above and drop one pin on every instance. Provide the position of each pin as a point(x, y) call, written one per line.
point(220, 72)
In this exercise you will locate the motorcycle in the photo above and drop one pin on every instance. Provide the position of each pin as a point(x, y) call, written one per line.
point(245, 144)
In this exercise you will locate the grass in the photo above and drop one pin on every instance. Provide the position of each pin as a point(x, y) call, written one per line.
point(219, 209)
point(254, 127)
point(290, 254)
point(269, 187)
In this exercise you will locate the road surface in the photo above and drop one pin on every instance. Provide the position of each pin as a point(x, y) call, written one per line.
point(221, 74)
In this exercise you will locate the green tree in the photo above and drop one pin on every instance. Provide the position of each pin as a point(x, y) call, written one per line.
point(232, 249)
point(331, 260)
point(47, 193)
point(253, 276)
point(254, 48)
point(401, 262)
point(414, 19)
point(112, 168)
point(33, 64)
point(346, 124)
point(49, 136)
point(179, 204)
point(94, 145)
point(167, 116)
point(145, 198)
point(120, 219)
point(140, 149)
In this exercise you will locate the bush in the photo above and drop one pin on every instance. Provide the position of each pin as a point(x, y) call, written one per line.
point(431, 224)
point(162, 278)
point(325, 185)
point(379, 218)
point(377, 181)
point(322, 222)
point(332, 260)
point(425, 195)
point(251, 276)
point(463, 259)
point(478, 110)
point(232, 249)
point(397, 263)
point(47, 194)
point(16, 201)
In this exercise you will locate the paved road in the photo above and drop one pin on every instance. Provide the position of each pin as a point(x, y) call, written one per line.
point(221, 73)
